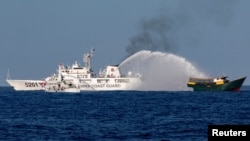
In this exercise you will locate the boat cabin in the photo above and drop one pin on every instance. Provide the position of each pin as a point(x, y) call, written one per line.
point(217, 80)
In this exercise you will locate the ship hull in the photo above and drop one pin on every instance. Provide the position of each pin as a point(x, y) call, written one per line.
point(234, 85)
point(92, 84)
point(26, 85)
point(109, 84)
point(68, 90)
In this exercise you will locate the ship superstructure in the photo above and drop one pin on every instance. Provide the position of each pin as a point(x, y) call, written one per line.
point(110, 78)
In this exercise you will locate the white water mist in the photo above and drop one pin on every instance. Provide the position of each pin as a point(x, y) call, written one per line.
point(161, 71)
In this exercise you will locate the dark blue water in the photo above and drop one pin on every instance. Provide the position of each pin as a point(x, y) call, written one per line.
point(118, 115)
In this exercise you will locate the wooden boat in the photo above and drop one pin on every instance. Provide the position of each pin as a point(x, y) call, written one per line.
point(215, 84)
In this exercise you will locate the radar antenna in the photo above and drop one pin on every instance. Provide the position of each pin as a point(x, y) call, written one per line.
point(87, 58)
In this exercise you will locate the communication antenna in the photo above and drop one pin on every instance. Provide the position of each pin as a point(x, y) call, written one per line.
point(87, 58)
point(92, 51)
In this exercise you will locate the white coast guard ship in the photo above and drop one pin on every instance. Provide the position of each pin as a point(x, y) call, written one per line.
point(84, 78)
point(87, 80)
point(24, 85)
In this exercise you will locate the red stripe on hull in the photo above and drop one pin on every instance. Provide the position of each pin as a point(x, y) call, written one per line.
point(236, 89)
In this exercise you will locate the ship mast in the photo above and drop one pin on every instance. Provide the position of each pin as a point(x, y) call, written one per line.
point(87, 58)
point(8, 75)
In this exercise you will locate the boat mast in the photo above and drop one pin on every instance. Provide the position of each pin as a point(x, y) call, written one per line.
point(8, 75)
point(87, 58)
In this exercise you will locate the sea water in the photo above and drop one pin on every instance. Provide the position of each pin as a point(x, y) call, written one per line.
point(118, 115)
point(162, 109)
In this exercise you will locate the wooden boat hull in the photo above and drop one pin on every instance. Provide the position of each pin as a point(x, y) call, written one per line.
point(234, 85)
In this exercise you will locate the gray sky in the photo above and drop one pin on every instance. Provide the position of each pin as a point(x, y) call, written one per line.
point(36, 36)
